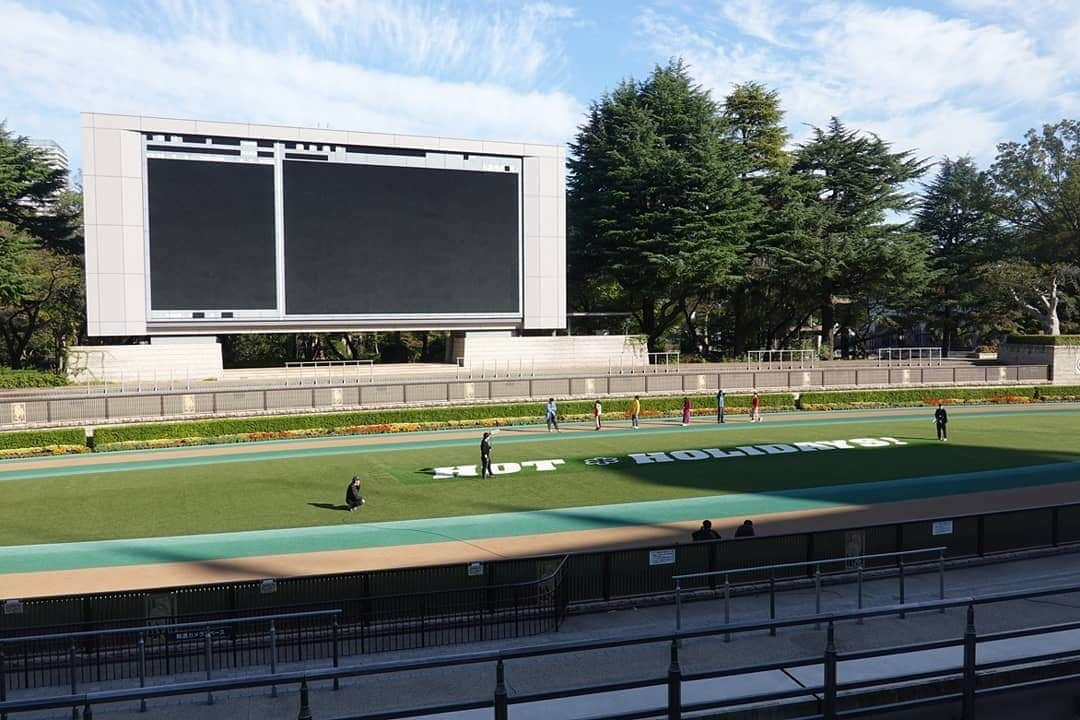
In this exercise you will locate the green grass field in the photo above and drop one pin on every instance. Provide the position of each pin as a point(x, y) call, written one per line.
point(277, 488)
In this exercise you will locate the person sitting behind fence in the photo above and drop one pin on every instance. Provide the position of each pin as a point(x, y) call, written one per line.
point(745, 530)
point(353, 498)
point(705, 532)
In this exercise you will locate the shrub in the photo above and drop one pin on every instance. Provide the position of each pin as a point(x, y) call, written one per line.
point(30, 378)
point(42, 438)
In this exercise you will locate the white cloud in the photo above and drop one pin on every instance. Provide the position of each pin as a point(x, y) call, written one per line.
point(943, 85)
point(56, 66)
point(755, 18)
point(503, 43)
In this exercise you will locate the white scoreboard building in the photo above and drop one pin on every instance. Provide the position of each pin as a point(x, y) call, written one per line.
point(198, 228)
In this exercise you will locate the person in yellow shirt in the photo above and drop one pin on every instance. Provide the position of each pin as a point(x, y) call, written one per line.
point(635, 410)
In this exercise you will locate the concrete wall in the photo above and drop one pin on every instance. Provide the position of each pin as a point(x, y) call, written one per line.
point(173, 361)
point(500, 350)
point(169, 397)
point(1063, 360)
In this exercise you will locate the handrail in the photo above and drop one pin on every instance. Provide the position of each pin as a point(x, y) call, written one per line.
point(12, 640)
point(899, 554)
point(356, 670)
point(824, 561)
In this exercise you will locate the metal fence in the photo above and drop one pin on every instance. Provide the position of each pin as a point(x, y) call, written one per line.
point(848, 565)
point(782, 359)
point(75, 407)
point(909, 356)
point(963, 684)
point(341, 617)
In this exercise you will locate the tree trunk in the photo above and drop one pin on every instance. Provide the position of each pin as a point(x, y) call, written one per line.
point(828, 319)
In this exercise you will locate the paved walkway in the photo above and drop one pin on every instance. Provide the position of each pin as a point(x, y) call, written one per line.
point(475, 682)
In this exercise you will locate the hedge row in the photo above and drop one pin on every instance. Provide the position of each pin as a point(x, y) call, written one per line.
point(932, 396)
point(30, 378)
point(1044, 339)
point(518, 413)
point(42, 438)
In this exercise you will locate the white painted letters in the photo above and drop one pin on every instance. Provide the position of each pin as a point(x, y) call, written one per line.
point(443, 473)
point(690, 455)
point(646, 458)
point(542, 465)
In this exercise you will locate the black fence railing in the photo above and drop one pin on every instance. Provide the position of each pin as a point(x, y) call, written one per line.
point(353, 626)
point(418, 607)
point(962, 684)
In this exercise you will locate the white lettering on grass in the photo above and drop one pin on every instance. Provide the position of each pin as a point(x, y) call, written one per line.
point(813, 446)
point(646, 458)
point(894, 441)
point(838, 444)
point(506, 468)
point(718, 453)
point(690, 455)
point(444, 473)
point(869, 442)
point(778, 449)
point(542, 465)
point(749, 450)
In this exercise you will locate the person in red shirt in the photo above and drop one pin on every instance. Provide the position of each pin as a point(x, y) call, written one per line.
point(755, 409)
point(686, 411)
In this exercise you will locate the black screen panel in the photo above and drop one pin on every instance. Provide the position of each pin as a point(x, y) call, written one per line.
point(211, 235)
point(372, 239)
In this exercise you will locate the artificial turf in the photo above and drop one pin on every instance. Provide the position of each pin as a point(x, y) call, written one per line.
point(307, 490)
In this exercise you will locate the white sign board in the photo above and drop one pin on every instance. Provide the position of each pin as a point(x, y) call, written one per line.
point(476, 569)
point(662, 557)
point(942, 527)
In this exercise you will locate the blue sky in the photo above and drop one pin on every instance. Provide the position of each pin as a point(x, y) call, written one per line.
point(948, 78)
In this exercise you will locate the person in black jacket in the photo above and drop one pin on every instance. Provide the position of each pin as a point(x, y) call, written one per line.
point(705, 532)
point(745, 530)
point(941, 420)
point(353, 498)
point(485, 456)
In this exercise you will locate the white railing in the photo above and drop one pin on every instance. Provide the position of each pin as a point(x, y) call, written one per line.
point(779, 359)
point(656, 362)
point(495, 368)
point(909, 357)
point(329, 372)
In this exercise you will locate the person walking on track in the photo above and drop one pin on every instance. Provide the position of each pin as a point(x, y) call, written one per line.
point(485, 456)
point(755, 408)
point(941, 420)
point(550, 413)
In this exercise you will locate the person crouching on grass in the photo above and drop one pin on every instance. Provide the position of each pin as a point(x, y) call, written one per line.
point(353, 498)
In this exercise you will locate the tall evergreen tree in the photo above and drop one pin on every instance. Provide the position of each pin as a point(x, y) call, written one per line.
point(655, 202)
point(956, 212)
point(858, 254)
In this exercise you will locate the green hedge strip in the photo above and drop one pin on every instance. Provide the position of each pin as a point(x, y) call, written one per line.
point(30, 378)
point(41, 438)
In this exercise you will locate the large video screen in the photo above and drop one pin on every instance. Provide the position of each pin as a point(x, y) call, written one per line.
point(373, 239)
point(211, 235)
